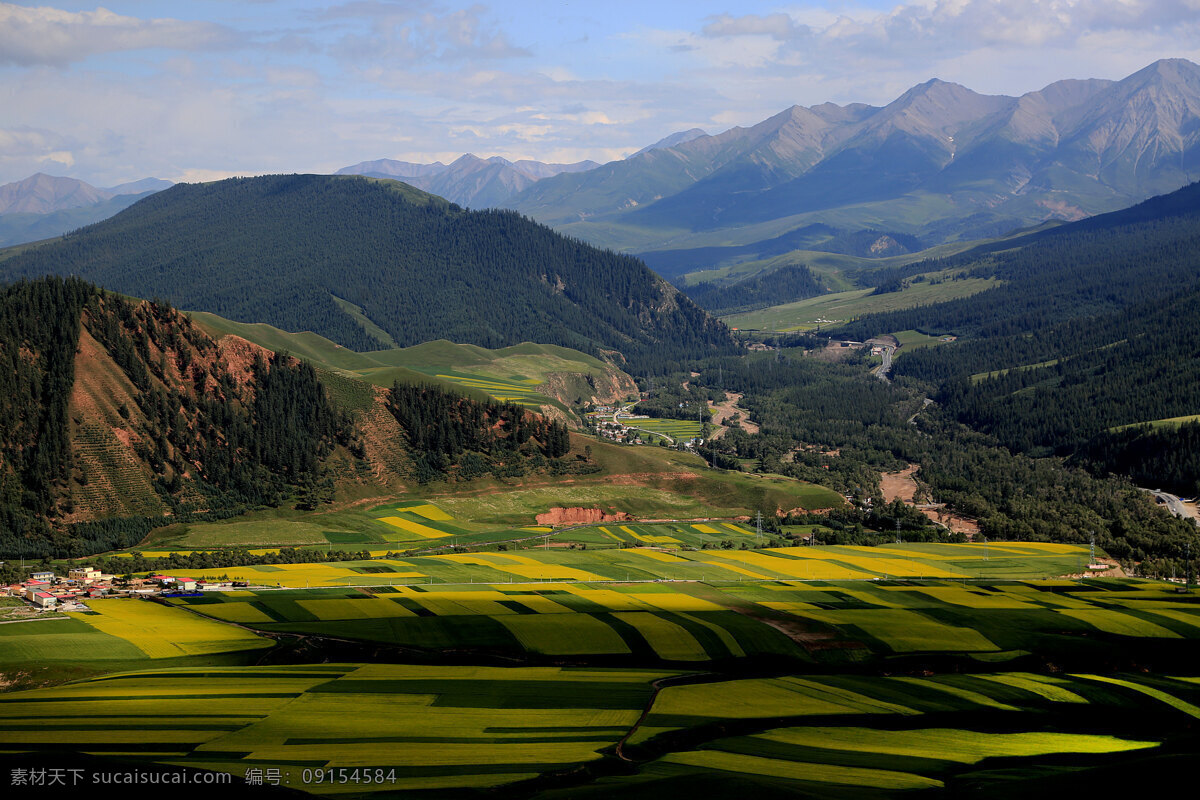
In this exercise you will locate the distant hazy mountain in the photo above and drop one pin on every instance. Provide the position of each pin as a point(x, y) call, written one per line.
point(941, 162)
point(671, 141)
point(141, 187)
point(41, 194)
point(42, 206)
point(469, 180)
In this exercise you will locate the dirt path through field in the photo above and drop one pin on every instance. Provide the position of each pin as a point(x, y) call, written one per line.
point(726, 409)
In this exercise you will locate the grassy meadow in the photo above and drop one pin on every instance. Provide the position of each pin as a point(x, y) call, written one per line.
point(802, 315)
point(511, 373)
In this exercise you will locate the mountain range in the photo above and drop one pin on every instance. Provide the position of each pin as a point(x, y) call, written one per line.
point(941, 163)
point(468, 180)
point(42, 206)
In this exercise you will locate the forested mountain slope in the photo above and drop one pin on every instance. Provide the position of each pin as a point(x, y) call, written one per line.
point(374, 264)
point(1095, 327)
point(115, 412)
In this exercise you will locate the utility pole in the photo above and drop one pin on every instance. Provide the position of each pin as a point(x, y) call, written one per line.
point(1187, 566)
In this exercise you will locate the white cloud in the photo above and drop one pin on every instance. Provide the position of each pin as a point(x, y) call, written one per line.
point(60, 157)
point(43, 35)
point(34, 150)
point(964, 24)
point(777, 26)
point(764, 62)
point(414, 32)
point(428, 80)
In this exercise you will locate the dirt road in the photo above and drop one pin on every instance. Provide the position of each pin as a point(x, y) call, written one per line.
point(726, 409)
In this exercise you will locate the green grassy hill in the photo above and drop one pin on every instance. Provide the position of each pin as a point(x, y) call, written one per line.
point(536, 375)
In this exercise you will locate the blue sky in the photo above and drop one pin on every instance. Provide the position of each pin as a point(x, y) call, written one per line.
point(210, 88)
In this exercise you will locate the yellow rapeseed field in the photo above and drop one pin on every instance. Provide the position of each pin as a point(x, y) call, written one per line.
point(164, 632)
point(409, 526)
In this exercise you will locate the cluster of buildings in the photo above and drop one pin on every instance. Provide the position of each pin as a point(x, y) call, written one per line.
point(45, 590)
point(617, 433)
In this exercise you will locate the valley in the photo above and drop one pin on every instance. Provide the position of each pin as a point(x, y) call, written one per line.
point(363, 485)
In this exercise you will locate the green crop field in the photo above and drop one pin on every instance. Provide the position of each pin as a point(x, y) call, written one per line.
point(668, 536)
point(677, 429)
point(454, 728)
point(639, 603)
point(422, 727)
point(725, 562)
point(121, 630)
point(875, 736)
point(638, 691)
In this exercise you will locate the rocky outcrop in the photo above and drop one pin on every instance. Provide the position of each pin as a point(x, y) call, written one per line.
point(580, 516)
point(605, 388)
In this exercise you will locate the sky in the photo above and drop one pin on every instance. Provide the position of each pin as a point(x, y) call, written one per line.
point(205, 89)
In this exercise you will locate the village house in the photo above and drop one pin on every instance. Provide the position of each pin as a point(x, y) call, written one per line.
point(85, 574)
point(34, 586)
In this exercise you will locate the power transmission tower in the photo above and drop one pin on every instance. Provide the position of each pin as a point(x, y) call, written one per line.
point(758, 527)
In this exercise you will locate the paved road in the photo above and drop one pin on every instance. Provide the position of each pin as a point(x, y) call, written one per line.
point(883, 369)
point(1174, 504)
